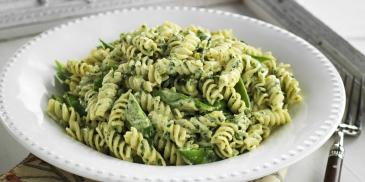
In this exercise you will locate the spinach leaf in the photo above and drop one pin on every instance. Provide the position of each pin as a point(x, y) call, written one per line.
point(61, 72)
point(73, 101)
point(198, 155)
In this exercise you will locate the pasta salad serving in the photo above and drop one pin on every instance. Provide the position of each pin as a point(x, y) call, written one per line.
point(172, 95)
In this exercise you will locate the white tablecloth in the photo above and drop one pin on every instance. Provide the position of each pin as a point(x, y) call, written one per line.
point(346, 18)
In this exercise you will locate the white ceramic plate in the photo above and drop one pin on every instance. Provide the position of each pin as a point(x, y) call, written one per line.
point(27, 83)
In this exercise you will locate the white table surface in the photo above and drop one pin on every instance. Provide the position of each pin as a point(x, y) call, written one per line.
point(345, 17)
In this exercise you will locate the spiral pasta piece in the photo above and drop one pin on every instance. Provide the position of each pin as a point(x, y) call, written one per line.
point(91, 97)
point(252, 51)
point(225, 33)
point(79, 68)
point(198, 30)
point(231, 73)
point(288, 83)
point(137, 83)
point(219, 52)
point(107, 93)
point(211, 90)
point(210, 68)
point(74, 125)
point(96, 56)
point(202, 124)
point(177, 134)
point(183, 48)
point(150, 103)
point(144, 44)
point(142, 148)
point(194, 126)
point(129, 51)
point(180, 67)
point(143, 30)
point(115, 142)
point(117, 114)
point(260, 98)
point(159, 122)
point(237, 125)
point(242, 121)
point(145, 68)
point(93, 139)
point(276, 96)
point(86, 84)
point(188, 67)
point(272, 118)
point(105, 99)
point(57, 111)
point(137, 66)
point(253, 138)
point(270, 64)
point(114, 57)
point(142, 40)
point(83, 88)
point(167, 30)
point(177, 113)
point(169, 150)
point(90, 138)
point(72, 83)
point(66, 116)
point(266, 131)
point(251, 67)
point(262, 73)
point(218, 38)
point(234, 101)
point(222, 139)
point(189, 86)
point(212, 119)
point(89, 94)
point(223, 47)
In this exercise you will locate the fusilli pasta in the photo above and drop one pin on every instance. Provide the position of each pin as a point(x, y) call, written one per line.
point(171, 95)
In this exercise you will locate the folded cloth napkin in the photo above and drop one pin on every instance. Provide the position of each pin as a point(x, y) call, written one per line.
point(33, 169)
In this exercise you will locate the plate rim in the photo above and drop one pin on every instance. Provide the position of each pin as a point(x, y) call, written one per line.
point(312, 143)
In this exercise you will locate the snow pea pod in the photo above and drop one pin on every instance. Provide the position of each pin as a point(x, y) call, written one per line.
point(106, 45)
point(187, 103)
point(241, 89)
point(262, 58)
point(137, 118)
